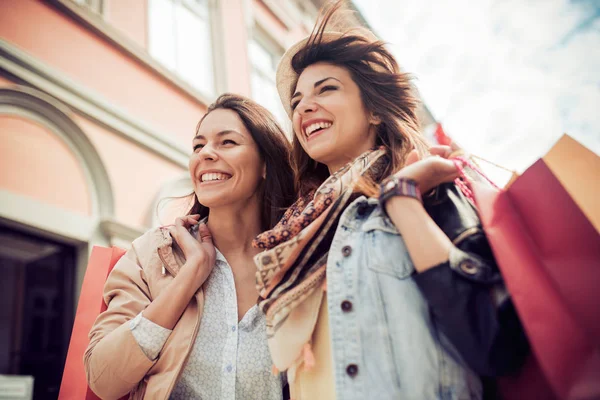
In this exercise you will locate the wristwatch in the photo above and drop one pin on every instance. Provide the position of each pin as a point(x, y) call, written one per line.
point(394, 186)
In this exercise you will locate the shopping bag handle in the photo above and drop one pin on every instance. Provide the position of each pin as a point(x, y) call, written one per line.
point(463, 180)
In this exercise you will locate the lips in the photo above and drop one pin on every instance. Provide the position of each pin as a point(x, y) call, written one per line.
point(311, 127)
point(214, 177)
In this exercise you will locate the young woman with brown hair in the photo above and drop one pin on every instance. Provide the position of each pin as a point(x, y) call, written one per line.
point(359, 291)
point(182, 320)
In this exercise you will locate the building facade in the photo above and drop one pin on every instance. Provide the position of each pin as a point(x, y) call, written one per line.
point(99, 100)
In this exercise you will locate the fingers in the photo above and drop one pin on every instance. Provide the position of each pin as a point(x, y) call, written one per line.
point(182, 225)
point(439, 150)
point(173, 231)
point(178, 229)
point(204, 234)
point(187, 220)
point(447, 170)
point(412, 157)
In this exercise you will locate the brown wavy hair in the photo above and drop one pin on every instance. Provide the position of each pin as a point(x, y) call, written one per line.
point(277, 190)
point(385, 91)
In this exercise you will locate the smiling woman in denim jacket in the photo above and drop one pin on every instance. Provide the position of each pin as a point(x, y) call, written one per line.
point(358, 291)
point(182, 320)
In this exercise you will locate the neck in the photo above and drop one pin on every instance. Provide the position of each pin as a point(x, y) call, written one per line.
point(234, 227)
point(335, 165)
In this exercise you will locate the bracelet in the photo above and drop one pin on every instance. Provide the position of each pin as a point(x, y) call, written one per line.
point(395, 186)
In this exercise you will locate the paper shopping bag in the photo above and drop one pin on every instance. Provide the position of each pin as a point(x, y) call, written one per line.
point(548, 251)
point(577, 169)
point(91, 304)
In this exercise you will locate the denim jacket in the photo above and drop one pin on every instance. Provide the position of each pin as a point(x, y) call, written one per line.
point(385, 342)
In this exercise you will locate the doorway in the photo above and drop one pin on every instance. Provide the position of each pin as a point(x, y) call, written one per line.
point(37, 294)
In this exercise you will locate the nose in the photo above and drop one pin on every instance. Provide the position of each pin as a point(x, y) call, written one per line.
point(306, 105)
point(208, 153)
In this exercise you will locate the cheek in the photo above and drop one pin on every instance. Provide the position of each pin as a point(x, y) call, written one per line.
point(296, 125)
point(192, 166)
point(355, 119)
point(251, 167)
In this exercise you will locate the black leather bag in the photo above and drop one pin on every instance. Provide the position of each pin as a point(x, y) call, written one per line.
point(480, 321)
point(453, 212)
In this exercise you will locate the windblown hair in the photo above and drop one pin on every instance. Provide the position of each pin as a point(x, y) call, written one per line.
point(385, 91)
point(277, 190)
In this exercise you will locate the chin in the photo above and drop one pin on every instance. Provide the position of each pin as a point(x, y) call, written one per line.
point(321, 152)
point(326, 155)
point(211, 200)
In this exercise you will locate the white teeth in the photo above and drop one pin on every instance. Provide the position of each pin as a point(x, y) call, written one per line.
point(214, 176)
point(318, 125)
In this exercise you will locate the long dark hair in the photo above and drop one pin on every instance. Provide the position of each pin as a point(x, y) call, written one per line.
point(385, 91)
point(277, 191)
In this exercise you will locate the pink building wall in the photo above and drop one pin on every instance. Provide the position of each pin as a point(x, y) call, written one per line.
point(119, 14)
point(136, 176)
point(75, 51)
point(37, 164)
point(69, 48)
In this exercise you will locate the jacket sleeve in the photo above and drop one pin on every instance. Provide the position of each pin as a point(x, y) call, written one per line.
point(114, 362)
point(487, 333)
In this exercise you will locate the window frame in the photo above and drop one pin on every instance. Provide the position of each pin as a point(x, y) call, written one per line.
point(260, 36)
point(97, 7)
point(212, 14)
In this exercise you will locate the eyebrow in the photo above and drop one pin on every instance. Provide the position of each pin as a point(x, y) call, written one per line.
point(222, 133)
point(317, 83)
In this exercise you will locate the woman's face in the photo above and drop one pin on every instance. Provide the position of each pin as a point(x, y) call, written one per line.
point(226, 167)
point(329, 118)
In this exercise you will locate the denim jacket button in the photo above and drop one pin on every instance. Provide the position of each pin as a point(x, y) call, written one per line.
point(346, 251)
point(346, 306)
point(361, 210)
point(352, 370)
point(468, 267)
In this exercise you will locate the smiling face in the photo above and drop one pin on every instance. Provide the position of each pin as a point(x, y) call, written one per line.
point(329, 118)
point(226, 166)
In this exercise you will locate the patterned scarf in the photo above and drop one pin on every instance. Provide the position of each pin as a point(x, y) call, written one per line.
point(291, 271)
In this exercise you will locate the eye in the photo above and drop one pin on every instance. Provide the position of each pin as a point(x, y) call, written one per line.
point(328, 88)
point(294, 105)
point(198, 147)
point(229, 141)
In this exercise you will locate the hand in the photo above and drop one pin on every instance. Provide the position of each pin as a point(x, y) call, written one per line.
point(430, 171)
point(200, 253)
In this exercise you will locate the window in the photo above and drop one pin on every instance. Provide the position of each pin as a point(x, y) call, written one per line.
point(180, 38)
point(264, 61)
point(93, 5)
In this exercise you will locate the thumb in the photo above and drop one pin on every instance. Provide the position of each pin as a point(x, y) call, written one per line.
point(442, 151)
point(204, 234)
point(412, 157)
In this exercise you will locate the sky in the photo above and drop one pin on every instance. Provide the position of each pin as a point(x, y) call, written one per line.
point(506, 78)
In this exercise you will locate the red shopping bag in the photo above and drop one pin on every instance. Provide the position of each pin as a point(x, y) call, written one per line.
point(548, 251)
point(91, 304)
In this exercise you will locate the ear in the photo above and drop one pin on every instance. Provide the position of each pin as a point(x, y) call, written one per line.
point(374, 119)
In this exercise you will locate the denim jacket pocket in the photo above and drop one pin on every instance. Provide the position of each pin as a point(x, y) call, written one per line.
point(386, 251)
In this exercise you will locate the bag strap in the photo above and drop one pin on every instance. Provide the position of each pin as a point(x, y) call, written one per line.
point(462, 182)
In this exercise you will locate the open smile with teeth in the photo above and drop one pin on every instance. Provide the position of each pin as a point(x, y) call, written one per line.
point(214, 176)
point(316, 127)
